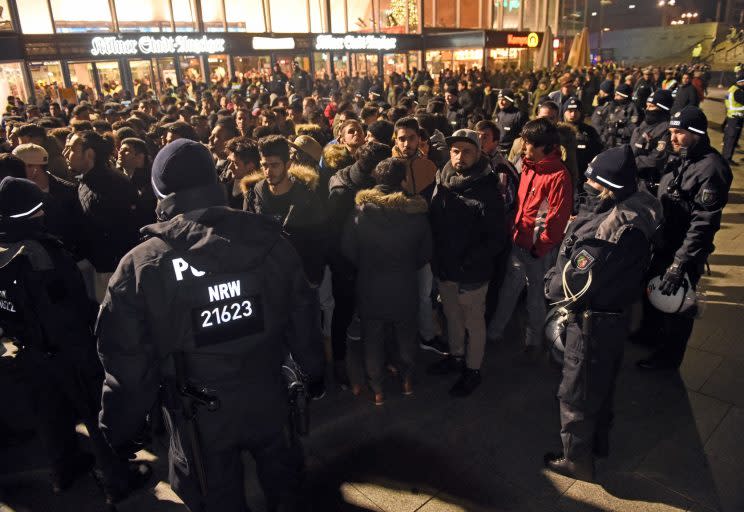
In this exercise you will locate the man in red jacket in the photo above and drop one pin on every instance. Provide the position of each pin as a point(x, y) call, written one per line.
point(544, 204)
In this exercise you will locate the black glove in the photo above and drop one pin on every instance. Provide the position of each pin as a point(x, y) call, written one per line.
point(671, 280)
point(316, 389)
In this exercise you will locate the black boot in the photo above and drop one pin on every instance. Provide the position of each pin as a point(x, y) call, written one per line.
point(580, 470)
point(137, 475)
point(64, 474)
point(445, 366)
point(466, 384)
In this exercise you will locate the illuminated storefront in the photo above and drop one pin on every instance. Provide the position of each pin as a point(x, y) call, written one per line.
point(108, 46)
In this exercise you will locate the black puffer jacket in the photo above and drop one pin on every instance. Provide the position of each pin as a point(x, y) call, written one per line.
point(342, 189)
point(468, 225)
point(162, 298)
point(388, 239)
point(109, 202)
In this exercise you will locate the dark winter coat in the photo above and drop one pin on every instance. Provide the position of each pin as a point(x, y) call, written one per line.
point(468, 224)
point(388, 239)
point(342, 190)
point(685, 95)
point(109, 202)
point(304, 226)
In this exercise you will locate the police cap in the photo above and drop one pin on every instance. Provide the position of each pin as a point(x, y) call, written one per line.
point(690, 118)
point(616, 170)
point(19, 198)
point(662, 99)
point(624, 90)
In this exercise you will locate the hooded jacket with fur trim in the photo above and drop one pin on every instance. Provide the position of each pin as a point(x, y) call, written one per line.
point(388, 239)
point(303, 224)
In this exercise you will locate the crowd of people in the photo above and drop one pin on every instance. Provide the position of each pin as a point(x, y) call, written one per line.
point(385, 218)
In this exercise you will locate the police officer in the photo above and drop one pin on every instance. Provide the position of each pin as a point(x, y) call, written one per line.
point(509, 120)
point(598, 275)
point(206, 308)
point(602, 103)
point(588, 143)
point(45, 308)
point(693, 191)
point(734, 118)
point(622, 118)
point(650, 141)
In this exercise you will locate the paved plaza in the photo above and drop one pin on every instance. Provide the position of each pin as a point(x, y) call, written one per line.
point(677, 445)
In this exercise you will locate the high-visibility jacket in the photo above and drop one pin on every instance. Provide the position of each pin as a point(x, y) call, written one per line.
point(735, 102)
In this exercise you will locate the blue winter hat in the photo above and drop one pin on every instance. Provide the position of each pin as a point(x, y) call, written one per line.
point(180, 165)
point(616, 170)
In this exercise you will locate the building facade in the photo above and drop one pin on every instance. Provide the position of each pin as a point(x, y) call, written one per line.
point(115, 44)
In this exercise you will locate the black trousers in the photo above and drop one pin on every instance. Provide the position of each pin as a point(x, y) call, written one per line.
point(669, 333)
point(594, 352)
point(66, 390)
point(731, 134)
point(279, 464)
point(344, 297)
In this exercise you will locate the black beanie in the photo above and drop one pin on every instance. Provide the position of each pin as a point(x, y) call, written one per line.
point(624, 90)
point(19, 198)
point(607, 86)
point(180, 165)
point(616, 170)
point(382, 131)
point(507, 94)
point(662, 99)
point(691, 119)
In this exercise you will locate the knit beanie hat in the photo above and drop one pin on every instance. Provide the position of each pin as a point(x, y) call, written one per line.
point(180, 165)
point(616, 170)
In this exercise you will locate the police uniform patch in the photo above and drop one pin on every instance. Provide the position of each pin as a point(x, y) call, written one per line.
point(583, 260)
point(661, 146)
point(708, 197)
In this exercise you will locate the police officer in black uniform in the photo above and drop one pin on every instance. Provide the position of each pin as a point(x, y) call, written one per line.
point(693, 191)
point(598, 275)
point(206, 308)
point(588, 143)
point(650, 141)
point(45, 308)
point(603, 101)
point(509, 120)
point(622, 118)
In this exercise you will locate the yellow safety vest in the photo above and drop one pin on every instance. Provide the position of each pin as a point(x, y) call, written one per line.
point(733, 108)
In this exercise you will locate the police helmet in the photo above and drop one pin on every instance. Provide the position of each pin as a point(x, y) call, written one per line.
point(555, 333)
point(683, 301)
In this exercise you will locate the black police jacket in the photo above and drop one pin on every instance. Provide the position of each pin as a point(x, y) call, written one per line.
point(43, 299)
point(693, 191)
point(509, 122)
point(588, 145)
point(650, 144)
point(621, 120)
point(225, 288)
point(609, 243)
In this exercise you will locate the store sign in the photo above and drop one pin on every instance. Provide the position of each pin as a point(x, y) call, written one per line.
point(273, 43)
point(148, 45)
point(328, 42)
point(531, 40)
